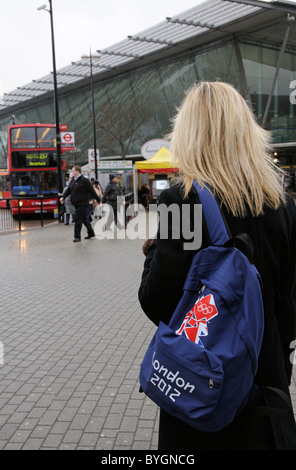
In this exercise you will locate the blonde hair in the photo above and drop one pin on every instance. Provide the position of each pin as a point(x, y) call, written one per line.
point(217, 141)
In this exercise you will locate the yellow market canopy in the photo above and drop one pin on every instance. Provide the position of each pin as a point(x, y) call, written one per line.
point(161, 162)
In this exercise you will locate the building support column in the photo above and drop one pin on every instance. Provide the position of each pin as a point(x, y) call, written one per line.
point(290, 19)
point(242, 72)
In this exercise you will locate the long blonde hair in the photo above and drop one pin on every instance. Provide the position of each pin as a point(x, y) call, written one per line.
point(216, 140)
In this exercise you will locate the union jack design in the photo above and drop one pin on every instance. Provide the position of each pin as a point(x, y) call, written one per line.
point(194, 324)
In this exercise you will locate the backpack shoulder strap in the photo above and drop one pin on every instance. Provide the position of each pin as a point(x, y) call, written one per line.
point(216, 225)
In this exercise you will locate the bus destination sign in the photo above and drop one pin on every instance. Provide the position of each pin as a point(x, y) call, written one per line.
point(37, 159)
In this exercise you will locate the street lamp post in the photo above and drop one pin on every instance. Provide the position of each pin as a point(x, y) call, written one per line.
point(56, 104)
point(93, 113)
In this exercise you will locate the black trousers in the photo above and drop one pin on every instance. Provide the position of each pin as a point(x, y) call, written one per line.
point(113, 215)
point(81, 219)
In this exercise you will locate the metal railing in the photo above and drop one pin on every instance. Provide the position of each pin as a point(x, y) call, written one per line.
point(129, 198)
point(22, 219)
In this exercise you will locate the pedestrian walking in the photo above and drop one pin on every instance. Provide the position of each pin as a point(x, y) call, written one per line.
point(80, 188)
point(217, 142)
point(111, 194)
point(97, 208)
point(144, 194)
point(69, 208)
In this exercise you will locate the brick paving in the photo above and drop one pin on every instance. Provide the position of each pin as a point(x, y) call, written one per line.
point(74, 336)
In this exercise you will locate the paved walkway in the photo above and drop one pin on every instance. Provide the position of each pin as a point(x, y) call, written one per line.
point(74, 336)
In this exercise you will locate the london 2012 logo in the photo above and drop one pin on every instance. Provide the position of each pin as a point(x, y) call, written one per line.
point(194, 325)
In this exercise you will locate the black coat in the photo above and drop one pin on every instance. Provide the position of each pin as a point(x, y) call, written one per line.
point(165, 269)
point(112, 192)
point(80, 189)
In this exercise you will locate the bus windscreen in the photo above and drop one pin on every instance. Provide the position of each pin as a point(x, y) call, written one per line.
point(30, 183)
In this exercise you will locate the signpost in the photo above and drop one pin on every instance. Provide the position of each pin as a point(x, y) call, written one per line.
point(92, 159)
point(67, 141)
point(115, 165)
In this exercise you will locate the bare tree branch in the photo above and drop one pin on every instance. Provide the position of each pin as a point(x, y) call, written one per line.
point(121, 123)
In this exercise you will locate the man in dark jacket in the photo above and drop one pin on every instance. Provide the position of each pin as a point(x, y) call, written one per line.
point(79, 189)
point(111, 193)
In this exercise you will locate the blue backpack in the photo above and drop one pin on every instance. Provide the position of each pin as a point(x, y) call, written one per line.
point(200, 367)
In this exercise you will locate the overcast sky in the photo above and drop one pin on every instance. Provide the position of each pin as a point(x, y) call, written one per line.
point(25, 34)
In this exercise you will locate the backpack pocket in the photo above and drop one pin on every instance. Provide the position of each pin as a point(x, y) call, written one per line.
point(182, 377)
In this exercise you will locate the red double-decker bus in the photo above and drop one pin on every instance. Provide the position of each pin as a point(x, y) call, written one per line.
point(32, 166)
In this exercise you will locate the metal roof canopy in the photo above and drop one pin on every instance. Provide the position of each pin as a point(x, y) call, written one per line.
point(208, 22)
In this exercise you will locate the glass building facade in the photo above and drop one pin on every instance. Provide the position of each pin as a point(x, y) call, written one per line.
point(138, 105)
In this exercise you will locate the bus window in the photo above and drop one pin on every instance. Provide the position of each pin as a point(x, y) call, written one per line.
point(47, 182)
point(23, 183)
point(23, 137)
point(46, 137)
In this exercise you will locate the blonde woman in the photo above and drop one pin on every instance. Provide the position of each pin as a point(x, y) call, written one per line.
point(216, 141)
